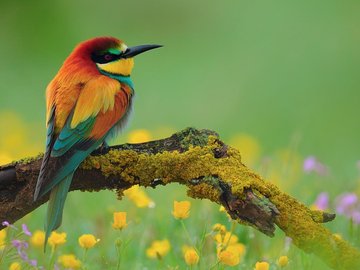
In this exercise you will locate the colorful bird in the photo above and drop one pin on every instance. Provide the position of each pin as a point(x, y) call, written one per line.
point(87, 102)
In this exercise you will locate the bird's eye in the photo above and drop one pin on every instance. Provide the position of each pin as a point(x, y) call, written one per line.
point(103, 58)
point(108, 57)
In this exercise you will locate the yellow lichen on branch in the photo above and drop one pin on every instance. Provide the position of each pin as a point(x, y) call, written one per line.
point(295, 219)
point(210, 169)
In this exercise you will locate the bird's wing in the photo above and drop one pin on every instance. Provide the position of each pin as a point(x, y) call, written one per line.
point(100, 105)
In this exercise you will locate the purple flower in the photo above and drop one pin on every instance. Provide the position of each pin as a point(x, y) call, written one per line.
point(322, 201)
point(33, 263)
point(311, 164)
point(346, 204)
point(16, 243)
point(356, 217)
point(21, 247)
point(26, 230)
point(5, 223)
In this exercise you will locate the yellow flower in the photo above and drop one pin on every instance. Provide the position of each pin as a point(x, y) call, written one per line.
point(15, 266)
point(158, 249)
point(228, 257)
point(87, 241)
point(262, 266)
point(5, 158)
point(15, 139)
point(181, 209)
point(139, 136)
point(232, 254)
point(237, 248)
point(222, 209)
point(225, 239)
point(139, 197)
point(248, 146)
point(57, 239)
point(2, 238)
point(283, 261)
point(190, 255)
point(69, 261)
point(38, 238)
point(219, 228)
point(119, 220)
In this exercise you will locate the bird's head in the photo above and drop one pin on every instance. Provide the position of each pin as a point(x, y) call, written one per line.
point(111, 55)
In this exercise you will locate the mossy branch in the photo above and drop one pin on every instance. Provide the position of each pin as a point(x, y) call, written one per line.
point(209, 168)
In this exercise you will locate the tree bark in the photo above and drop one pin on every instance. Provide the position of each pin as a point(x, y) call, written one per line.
point(208, 167)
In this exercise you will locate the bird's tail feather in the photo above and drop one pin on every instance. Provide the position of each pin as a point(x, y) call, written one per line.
point(56, 205)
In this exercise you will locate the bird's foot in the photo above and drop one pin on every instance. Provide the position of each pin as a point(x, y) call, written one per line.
point(103, 148)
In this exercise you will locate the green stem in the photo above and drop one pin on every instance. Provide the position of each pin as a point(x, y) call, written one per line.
point(217, 263)
point(233, 225)
point(84, 259)
point(52, 257)
point(188, 235)
point(118, 244)
point(202, 243)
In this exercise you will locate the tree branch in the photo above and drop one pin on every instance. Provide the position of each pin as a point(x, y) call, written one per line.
point(209, 168)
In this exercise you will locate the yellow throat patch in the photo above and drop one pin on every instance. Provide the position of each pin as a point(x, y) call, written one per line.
point(119, 67)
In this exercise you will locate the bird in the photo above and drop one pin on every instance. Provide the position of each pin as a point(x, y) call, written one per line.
point(87, 103)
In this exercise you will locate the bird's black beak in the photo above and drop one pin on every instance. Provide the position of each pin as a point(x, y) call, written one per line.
point(132, 51)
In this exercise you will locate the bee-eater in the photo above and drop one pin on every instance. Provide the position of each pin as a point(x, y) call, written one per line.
point(87, 102)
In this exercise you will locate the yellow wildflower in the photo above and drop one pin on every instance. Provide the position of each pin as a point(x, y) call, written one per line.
point(228, 257)
point(87, 241)
point(219, 228)
point(181, 209)
point(139, 136)
point(2, 238)
point(15, 266)
point(248, 146)
point(283, 261)
point(38, 238)
point(139, 197)
point(222, 209)
point(237, 248)
point(57, 239)
point(5, 158)
point(69, 261)
point(190, 255)
point(119, 220)
point(158, 249)
point(262, 266)
point(15, 141)
point(225, 239)
point(232, 254)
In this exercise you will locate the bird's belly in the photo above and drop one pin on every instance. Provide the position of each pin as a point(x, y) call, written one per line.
point(120, 125)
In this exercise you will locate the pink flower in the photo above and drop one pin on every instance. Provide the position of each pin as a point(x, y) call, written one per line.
point(26, 230)
point(311, 164)
point(322, 201)
point(356, 217)
point(346, 203)
point(7, 224)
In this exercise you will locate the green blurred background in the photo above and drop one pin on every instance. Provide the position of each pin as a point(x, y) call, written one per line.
point(270, 69)
point(284, 72)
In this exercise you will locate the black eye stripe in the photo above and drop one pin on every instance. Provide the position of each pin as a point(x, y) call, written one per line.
point(104, 58)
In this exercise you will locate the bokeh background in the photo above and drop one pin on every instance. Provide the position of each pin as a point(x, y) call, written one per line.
point(280, 80)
